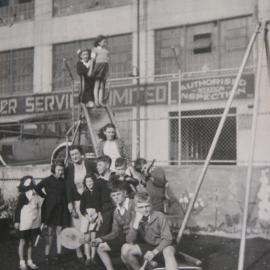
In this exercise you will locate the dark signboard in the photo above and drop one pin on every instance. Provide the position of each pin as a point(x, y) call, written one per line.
point(193, 90)
point(41, 103)
point(211, 89)
point(149, 94)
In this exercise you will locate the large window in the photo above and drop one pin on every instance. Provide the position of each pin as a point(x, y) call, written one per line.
point(66, 7)
point(12, 11)
point(120, 48)
point(198, 129)
point(202, 47)
point(235, 39)
point(16, 71)
point(166, 42)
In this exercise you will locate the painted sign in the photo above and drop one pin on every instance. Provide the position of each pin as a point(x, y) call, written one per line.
point(149, 94)
point(212, 89)
point(33, 104)
point(193, 90)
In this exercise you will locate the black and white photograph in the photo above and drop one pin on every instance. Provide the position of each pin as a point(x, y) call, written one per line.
point(135, 134)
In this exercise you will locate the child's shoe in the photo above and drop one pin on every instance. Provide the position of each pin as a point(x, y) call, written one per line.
point(47, 260)
point(87, 262)
point(31, 265)
point(58, 259)
point(90, 104)
point(23, 265)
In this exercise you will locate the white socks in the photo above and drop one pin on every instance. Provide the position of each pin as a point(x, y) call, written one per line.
point(22, 263)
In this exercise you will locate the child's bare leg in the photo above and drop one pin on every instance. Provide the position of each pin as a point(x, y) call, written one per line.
point(93, 249)
point(101, 93)
point(29, 256)
point(102, 251)
point(48, 242)
point(129, 255)
point(170, 261)
point(79, 253)
point(21, 249)
point(58, 243)
point(29, 251)
point(21, 253)
point(96, 92)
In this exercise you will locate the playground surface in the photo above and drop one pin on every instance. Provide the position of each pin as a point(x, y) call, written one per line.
point(216, 253)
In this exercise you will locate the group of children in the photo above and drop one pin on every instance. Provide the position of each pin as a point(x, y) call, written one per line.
point(93, 69)
point(119, 214)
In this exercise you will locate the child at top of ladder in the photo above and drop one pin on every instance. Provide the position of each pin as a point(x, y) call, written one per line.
point(100, 54)
point(84, 70)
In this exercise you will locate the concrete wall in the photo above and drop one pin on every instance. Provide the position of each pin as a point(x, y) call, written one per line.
point(9, 177)
point(223, 192)
point(221, 196)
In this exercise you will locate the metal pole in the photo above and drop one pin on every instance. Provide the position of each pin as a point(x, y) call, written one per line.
point(251, 157)
point(73, 89)
point(177, 60)
point(138, 115)
point(267, 48)
point(216, 137)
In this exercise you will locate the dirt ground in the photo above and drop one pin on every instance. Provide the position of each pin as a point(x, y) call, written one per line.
point(216, 254)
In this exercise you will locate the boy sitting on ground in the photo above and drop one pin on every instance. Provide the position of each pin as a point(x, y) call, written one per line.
point(112, 242)
point(152, 228)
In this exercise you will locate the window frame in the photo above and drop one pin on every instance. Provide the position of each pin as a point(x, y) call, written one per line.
point(195, 115)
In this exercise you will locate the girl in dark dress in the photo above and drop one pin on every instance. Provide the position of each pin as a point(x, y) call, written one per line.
point(54, 211)
point(84, 70)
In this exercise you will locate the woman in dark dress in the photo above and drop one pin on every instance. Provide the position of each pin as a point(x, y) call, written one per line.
point(54, 211)
point(84, 70)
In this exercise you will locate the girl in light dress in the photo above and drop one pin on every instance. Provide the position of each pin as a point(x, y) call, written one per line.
point(110, 145)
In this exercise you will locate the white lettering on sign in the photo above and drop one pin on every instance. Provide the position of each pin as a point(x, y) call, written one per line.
point(39, 104)
point(149, 94)
point(161, 94)
point(48, 103)
point(29, 105)
point(8, 106)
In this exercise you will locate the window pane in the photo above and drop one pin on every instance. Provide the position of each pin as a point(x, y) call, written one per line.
point(165, 41)
point(66, 7)
point(16, 71)
point(201, 47)
point(198, 129)
point(235, 35)
point(15, 11)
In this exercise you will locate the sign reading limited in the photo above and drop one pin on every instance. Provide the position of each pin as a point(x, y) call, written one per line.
point(192, 90)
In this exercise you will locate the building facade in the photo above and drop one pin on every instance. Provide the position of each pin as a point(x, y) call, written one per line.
point(200, 44)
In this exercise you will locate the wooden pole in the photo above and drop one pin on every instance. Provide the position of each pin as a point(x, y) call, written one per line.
point(216, 137)
point(241, 259)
